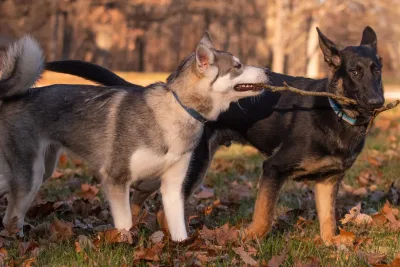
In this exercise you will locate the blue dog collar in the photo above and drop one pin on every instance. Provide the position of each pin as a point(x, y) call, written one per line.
point(340, 113)
point(191, 111)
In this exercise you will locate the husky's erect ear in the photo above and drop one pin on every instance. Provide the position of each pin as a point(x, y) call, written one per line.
point(206, 40)
point(330, 50)
point(204, 57)
point(369, 38)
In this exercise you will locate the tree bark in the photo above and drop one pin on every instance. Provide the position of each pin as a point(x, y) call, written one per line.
point(278, 48)
point(312, 51)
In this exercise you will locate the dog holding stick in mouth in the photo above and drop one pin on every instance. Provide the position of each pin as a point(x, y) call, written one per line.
point(127, 134)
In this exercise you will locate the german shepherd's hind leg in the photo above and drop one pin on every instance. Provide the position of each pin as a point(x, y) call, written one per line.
point(142, 191)
point(26, 180)
point(270, 184)
point(117, 193)
point(172, 197)
point(325, 198)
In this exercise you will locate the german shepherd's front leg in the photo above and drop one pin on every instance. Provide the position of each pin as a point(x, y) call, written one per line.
point(270, 185)
point(325, 198)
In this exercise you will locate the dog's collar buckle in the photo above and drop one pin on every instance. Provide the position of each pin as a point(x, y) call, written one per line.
point(196, 115)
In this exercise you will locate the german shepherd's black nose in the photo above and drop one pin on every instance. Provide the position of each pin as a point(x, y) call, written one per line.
point(376, 102)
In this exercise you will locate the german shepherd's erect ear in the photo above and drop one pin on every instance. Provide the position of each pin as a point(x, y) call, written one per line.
point(330, 50)
point(369, 38)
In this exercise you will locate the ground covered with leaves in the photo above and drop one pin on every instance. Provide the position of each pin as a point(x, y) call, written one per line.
point(69, 223)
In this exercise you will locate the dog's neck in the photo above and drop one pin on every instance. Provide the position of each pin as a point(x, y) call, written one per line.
point(344, 111)
point(191, 98)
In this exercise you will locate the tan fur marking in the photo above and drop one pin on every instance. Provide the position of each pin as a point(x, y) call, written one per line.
point(202, 104)
point(135, 209)
point(325, 198)
point(162, 221)
point(311, 165)
point(263, 214)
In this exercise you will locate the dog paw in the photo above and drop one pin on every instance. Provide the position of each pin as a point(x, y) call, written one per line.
point(253, 232)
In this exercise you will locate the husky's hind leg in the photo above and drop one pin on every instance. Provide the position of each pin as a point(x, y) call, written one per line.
point(117, 192)
point(50, 161)
point(26, 180)
point(172, 197)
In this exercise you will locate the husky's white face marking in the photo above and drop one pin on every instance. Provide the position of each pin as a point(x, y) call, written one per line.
point(226, 75)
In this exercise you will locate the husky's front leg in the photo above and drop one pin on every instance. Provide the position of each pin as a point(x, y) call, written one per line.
point(172, 197)
point(117, 193)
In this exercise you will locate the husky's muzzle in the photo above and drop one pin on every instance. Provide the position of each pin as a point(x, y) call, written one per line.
point(248, 87)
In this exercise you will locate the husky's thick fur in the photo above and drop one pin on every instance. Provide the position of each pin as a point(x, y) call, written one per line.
point(126, 134)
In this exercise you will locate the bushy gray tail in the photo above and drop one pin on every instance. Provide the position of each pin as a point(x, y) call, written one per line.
point(22, 67)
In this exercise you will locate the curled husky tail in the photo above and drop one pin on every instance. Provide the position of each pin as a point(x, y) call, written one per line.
point(22, 67)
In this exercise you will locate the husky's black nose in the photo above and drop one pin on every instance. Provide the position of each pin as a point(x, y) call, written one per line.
point(376, 102)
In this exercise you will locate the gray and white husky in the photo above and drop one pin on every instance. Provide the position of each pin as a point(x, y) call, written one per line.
point(126, 134)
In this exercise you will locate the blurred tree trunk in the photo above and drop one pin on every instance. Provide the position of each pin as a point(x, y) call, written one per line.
point(312, 50)
point(278, 48)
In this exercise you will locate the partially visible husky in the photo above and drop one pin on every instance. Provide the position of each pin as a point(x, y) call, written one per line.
point(126, 134)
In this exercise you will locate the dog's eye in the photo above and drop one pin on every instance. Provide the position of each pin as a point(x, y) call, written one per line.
point(238, 66)
point(354, 73)
point(377, 72)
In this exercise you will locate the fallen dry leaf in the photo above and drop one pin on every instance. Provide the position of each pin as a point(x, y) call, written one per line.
point(63, 160)
point(28, 262)
point(394, 263)
point(78, 248)
point(3, 256)
point(147, 219)
point(390, 214)
point(205, 193)
point(277, 260)
point(60, 230)
point(57, 174)
point(344, 238)
point(26, 247)
point(222, 235)
point(157, 237)
point(371, 258)
point(150, 254)
point(88, 191)
point(245, 257)
point(355, 216)
point(114, 236)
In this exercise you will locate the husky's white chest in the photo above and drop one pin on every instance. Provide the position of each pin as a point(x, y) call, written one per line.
point(146, 163)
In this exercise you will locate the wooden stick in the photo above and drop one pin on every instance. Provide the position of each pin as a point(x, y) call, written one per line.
point(379, 110)
point(286, 87)
point(344, 99)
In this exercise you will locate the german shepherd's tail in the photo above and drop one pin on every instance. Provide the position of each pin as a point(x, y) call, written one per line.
point(22, 66)
point(88, 71)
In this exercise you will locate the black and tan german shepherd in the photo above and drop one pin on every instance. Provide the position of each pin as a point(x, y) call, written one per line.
point(303, 138)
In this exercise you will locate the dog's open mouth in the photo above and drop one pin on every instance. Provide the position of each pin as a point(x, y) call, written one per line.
point(248, 87)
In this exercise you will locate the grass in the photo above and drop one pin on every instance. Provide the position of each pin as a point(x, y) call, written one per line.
point(241, 164)
point(244, 164)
